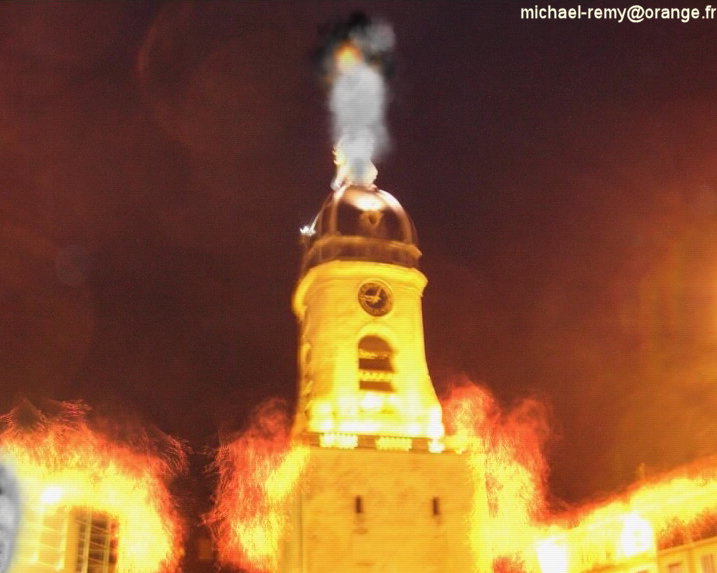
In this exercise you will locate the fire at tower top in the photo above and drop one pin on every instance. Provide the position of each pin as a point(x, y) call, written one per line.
point(355, 61)
point(358, 221)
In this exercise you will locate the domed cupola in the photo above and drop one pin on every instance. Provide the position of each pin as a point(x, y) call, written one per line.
point(364, 223)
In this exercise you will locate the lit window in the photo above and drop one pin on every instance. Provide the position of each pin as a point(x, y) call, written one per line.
point(436, 506)
point(675, 567)
point(708, 563)
point(46, 527)
point(96, 543)
point(375, 364)
point(358, 505)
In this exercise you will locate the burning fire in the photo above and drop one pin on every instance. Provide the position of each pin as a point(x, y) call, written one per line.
point(347, 56)
point(515, 469)
point(525, 537)
point(673, 509)
point(258, 473)
point(62, 462)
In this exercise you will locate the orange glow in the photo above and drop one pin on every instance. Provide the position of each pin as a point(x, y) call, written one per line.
point(681, 499)
point(62, 462)
point(522, 533)
point(258, 473)
point(347, 56)
point(553, 555)
point(514, 466)
point(51, 495)
point(673, 509)
point(637, 535)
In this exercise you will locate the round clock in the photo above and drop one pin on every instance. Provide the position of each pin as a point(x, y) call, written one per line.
point(375, 298)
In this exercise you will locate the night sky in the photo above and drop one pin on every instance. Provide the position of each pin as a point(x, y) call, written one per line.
point(158, 159)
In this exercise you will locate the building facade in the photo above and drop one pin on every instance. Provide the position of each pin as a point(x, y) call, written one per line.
point(637, 541)
point(66, 539)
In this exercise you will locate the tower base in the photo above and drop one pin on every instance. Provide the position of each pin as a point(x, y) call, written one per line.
point(366, 510)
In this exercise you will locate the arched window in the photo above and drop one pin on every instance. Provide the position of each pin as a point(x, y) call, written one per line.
point(375, 364)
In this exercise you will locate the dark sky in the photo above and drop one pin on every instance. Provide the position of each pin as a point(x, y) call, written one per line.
point(157, 161)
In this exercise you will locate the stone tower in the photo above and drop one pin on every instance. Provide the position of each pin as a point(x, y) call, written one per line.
point(385, 489)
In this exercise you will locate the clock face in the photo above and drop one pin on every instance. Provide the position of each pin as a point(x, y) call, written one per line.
point(375, 298)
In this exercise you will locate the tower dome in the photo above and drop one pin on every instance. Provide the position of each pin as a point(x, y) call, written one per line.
point(361, 223)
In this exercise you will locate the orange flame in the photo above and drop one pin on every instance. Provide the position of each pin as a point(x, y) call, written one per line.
point(515, 469)
point(346, 57)
point(62, 462)
point(676, 508)
point(258, 473)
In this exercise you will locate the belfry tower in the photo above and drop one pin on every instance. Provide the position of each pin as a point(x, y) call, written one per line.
point(361, 357)
point(385, 489)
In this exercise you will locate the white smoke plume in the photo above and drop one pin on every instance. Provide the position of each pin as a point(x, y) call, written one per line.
point(358, 54)
point(358, 105)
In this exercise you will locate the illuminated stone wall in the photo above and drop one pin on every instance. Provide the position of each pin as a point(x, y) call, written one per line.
point(371, 511)
point(59, 538)
point(43, 543)
point(333, 321)
point(699, 556)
